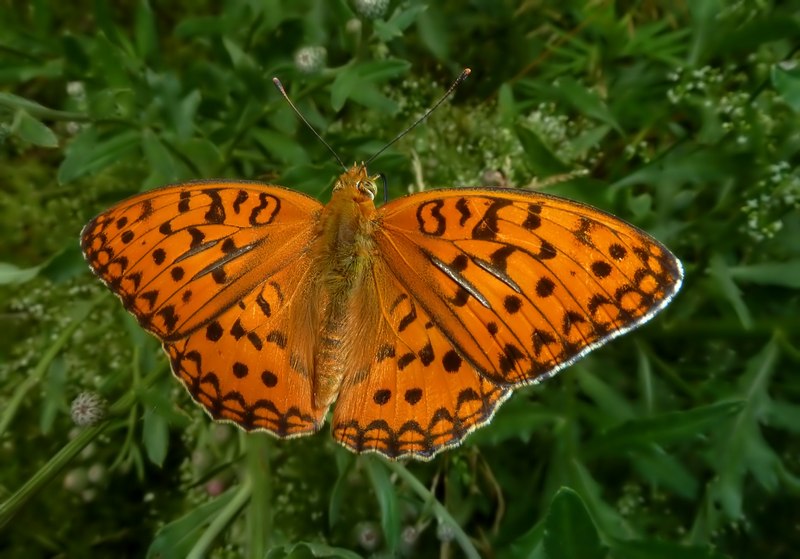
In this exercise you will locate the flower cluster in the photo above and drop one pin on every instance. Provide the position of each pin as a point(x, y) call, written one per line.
point(773, 197)
point(370, 9)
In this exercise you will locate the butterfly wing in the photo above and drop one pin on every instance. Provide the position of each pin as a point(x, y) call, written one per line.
point(215, 270)
point(521, 283)
point(418, 396)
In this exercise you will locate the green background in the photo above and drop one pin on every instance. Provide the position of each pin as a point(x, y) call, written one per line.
point(677, 440)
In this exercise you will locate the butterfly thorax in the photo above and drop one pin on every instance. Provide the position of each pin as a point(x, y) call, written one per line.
point(344, 251)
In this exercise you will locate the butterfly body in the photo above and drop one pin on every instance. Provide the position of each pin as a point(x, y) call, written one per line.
point(342, 255)
point(414, 321)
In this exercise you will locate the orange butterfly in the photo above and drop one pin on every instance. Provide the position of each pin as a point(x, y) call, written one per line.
point(417, 318)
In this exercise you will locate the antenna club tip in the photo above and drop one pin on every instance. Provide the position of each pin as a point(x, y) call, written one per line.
point(467, 72)
point(278, 84)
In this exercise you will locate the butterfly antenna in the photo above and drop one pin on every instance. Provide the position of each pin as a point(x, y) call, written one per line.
point(280, 87)
point(447, 94)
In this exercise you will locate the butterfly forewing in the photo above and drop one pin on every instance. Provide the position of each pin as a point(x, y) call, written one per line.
point(524, 283)
point(179, 255)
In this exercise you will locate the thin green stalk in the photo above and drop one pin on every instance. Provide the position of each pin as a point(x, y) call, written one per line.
point(221, 521)
point(441, 512)
point(50, 470)
point(260, 512)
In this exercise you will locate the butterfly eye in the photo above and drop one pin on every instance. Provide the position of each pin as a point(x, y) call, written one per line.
point(367, 187)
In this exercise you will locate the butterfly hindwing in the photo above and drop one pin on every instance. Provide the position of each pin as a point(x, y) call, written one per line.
point(419, 396)
point(243, 366)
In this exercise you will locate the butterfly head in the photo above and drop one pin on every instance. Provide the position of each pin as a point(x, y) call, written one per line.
point(358, 183)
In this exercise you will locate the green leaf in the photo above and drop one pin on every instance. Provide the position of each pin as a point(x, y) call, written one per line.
point(185, 113)
point(387, 499)
point(705, 14)
point(653, 549)
point(33, 131)
point(786, 81)
point(663, 469)
point(281, 147)
point(203, 155)
point(146, 34)
point(199, 26)
point(591, 138)
point(607, 398)
point(239, 58)
point(742, 449)
point(371, 97)
point(434, 32)
point(784, 274)
point(763, 27)
point(529, 545)
point(15, 102)
point(176, 539)
point(89, 153)
point(518, 419)
point(11, 274)
point(541, 159)
point(608, 519)
point(506, 106)
point(570, 532)
point(55, 388)
point(155, 435)
point(62, 266)
point(682, 165)
point(353, 80)
point(665, 428)
point(158, 157)
point(583, 100)
point(402, 17)
point(345, 82)
point(341, 489)
point(784, 415)
point(310, 549)
point(723, 281)
point(66, 264)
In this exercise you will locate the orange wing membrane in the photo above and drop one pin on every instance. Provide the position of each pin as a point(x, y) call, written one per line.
point(213, 269)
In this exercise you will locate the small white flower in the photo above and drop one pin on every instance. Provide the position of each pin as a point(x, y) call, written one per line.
point(77, 90)
point(368, 535)
point(311, 59)
point(75, 480)
point(353, 26)
point(88, 408)
point(370, 9)
point(445, 532)
point(409, 535)
point(96, 473)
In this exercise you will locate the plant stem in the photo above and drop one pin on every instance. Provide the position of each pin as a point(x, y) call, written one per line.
point(219, 523)
point(438, 508)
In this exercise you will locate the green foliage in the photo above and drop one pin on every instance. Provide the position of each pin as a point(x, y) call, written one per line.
point(677, 440)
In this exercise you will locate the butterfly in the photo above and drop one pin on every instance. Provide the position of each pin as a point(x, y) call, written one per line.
point(414, 321)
